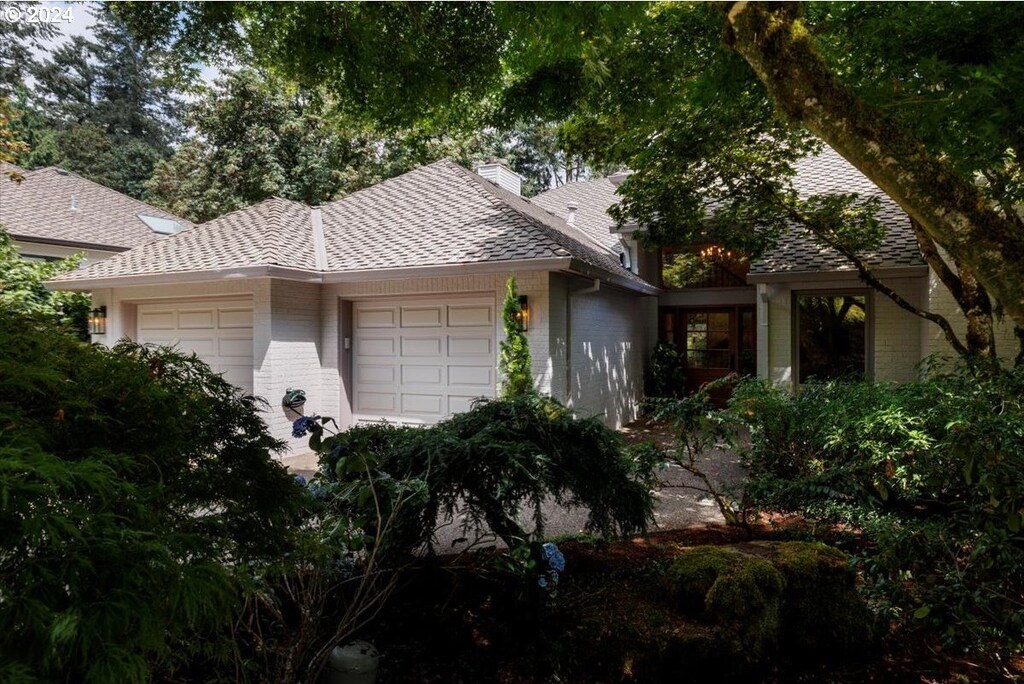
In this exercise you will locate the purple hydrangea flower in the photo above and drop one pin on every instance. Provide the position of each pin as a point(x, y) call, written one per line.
point(553, 557)
point(300, 480)
point(301, 426)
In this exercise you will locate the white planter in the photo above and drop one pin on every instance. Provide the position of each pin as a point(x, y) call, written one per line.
point(353, 663)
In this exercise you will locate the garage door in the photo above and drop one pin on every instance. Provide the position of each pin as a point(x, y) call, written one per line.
point(219, 332)
point(418, 361)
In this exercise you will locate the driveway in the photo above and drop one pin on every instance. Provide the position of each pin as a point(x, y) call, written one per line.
point(681, 500)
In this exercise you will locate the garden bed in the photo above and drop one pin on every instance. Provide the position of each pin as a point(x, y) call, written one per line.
point(613, 620)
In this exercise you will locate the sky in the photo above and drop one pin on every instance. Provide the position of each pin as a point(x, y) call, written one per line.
point(81, 24)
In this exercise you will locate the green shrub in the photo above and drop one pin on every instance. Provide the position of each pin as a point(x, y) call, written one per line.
point(492, 462)
point(137, 490)
point(664, 377)
point(514, 360)
point(931, 473)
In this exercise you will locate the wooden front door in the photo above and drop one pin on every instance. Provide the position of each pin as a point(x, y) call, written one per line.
point(712, 342)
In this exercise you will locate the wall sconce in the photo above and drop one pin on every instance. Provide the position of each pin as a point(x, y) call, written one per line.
point(523, 317)
point(98, 321)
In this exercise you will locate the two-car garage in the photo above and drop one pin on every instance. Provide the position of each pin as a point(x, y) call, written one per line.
point(413, 360)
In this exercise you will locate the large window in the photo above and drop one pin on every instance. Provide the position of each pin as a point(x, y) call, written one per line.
point(832, 335)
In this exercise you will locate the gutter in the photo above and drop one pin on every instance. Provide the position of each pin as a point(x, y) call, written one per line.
point(815, 276)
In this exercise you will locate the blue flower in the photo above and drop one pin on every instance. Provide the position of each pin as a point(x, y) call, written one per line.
point(542, 582)
point(553, 557)
point(300, 480)
point(301, 426)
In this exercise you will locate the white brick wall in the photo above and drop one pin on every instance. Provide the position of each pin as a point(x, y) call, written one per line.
point(942, 302)
point(896, 334)
point(607, 347)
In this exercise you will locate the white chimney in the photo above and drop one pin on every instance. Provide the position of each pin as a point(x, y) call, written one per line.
point(571, 217)
point(497, 171)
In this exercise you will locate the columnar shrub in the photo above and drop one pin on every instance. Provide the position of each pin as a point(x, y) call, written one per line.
point(514, 354)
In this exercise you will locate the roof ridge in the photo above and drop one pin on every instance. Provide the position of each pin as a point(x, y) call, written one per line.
point(567, 231)
point(386, 182)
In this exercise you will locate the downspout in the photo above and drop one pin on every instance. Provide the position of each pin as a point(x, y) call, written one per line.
point(595, 287)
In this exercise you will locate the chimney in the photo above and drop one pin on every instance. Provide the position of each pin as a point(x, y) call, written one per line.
point(497, 171)
point(571, 217)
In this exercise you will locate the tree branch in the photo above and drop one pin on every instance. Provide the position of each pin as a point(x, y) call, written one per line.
point(931, 255)
point(955, 213)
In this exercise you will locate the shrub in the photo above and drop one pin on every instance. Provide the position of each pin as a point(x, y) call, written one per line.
point(931, 473)
point(490, 463)
point(137, 489)
point(514, 354)
point(664, 377)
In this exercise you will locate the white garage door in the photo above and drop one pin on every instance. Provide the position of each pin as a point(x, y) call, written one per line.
point(219, 332)
point(418, 361)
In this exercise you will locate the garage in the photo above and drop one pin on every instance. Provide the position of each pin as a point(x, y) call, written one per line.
point(418, 361)
point(219, 332)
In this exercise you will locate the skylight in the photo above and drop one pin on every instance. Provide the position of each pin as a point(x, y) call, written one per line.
point(161, 225)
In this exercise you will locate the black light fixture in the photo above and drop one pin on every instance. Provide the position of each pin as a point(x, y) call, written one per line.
point(98, 321)
point(524, 313)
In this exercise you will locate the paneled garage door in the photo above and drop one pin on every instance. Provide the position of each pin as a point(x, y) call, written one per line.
point(418, 361)
point(219, 332)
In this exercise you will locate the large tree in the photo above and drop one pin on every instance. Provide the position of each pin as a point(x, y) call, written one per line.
point(711, 104)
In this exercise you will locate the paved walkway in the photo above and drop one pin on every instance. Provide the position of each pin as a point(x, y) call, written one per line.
point(680, 501)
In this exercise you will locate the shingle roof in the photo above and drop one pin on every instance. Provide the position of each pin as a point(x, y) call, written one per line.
point(797, 251)
point(51, 204)
point(439, 214)
point(274, 232)
point(443, 214)
point(594, 199)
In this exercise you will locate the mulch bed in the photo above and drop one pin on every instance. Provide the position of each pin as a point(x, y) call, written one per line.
point(455, 625)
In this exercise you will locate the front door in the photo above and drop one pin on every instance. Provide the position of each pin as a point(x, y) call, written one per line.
point(712, 343)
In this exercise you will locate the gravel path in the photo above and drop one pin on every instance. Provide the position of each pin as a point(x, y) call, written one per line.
point(681, 500)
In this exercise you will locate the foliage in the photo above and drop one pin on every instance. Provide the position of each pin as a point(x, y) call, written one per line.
point(713, 139)
point(136, 488)
point(18, 41)
point(22, 289)
point(930, 472)
point(490, 465)
point(698, 430)
point(514, 362)
point(664, 375)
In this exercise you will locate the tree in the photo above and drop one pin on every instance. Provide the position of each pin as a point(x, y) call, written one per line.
point(656, 88)
point(18, 39)
point(22, 290)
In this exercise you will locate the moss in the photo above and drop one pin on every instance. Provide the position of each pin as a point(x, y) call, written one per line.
point(690, 576)
point(822, 610)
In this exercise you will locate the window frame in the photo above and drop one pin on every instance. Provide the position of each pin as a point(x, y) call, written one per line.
point(869, 324)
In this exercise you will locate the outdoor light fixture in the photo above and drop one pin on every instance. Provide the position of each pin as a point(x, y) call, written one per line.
point(98, 321)
point(524, 313)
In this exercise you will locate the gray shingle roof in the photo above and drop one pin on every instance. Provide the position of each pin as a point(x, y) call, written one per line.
point(798, 252)
point(274, 232)
point(594, 199)
point(55, 205)
point(436, 215)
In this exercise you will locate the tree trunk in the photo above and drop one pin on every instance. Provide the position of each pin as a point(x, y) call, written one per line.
point(773, 39)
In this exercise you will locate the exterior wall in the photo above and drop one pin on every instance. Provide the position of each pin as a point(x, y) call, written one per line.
point(293, 357)
point(895, 336)
point(942, 302)
point(606, 340)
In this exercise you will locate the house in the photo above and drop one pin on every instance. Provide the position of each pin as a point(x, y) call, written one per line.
point(385, 304)
point(52, 213)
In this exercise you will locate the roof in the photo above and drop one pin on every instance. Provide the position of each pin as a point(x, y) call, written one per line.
point(53, 205)
point(593, 198)
point(796, 251)
point(437, 215)
point(274, 232)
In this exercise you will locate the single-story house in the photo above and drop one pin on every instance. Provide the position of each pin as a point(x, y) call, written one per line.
point(52, 214)
point(385, 304)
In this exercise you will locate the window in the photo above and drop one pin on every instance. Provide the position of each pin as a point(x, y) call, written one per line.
point(831, 336)
point(708, 343)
